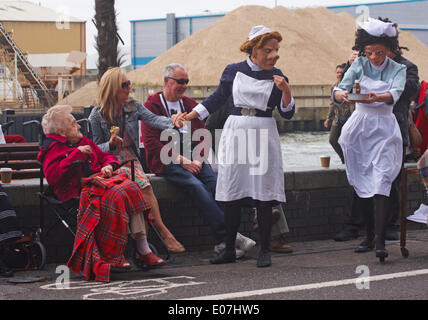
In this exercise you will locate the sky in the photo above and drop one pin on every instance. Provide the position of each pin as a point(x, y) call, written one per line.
point(143, 9)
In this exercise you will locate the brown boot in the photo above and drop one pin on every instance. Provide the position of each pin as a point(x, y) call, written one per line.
point(279, 245)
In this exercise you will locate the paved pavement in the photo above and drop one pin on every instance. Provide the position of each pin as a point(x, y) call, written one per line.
point(317, 270)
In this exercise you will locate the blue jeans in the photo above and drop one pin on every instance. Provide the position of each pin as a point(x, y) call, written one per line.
point(201, 189)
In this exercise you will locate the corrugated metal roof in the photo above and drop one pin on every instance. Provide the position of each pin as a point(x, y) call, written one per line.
point(29, 11)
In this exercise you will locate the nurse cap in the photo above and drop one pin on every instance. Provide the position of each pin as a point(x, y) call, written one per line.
point(258, 31)
point(378, 28)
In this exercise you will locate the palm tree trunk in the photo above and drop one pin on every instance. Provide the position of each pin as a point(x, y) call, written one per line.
point(107, 39)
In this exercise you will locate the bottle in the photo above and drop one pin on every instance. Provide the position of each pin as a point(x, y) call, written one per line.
point(357, 88)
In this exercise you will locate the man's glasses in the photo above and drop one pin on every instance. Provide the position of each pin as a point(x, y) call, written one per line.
point(126, 84)
point(180, 81)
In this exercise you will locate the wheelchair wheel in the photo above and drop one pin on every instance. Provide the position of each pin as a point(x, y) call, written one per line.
point(38, 255)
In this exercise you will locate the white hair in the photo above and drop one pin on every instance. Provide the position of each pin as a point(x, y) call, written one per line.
point(168, 71)
point(55, 119)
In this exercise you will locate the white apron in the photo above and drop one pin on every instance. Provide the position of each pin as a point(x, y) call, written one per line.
point(249, 154)
point(372, 144)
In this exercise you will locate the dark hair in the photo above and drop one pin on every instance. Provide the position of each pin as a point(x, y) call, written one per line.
point(396, 45)
point(363, 38)
point(341, 66)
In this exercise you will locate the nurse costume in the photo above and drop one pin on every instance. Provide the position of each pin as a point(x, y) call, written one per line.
point(371, 139)
point(250, 159)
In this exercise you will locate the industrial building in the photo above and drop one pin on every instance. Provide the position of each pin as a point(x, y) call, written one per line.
point(151, 37)
point(39, 30)
point(40, 51)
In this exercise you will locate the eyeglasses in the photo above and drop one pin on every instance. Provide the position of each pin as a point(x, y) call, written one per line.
point(180, 81)
point(377, 54)
point(126, 84)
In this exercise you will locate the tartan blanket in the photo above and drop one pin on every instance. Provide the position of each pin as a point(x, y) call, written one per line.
point(102, 224)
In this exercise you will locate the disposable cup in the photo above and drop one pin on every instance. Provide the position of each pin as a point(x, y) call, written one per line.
point(6, 175)
point(325, 161)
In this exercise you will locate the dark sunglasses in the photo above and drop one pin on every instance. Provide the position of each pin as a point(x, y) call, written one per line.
point(180, 81)
point(126, 84)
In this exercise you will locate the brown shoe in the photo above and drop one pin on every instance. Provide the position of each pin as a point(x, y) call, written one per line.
point(280, 246)
point(173, 245)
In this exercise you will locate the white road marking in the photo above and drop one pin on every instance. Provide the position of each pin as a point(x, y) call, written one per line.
point(130, 289)
point(320, 285)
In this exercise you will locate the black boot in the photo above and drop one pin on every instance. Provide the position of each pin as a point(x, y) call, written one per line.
point(368, 243)
point(380, 226)
point(232, 220)
point(264, 217)
point(224, 257)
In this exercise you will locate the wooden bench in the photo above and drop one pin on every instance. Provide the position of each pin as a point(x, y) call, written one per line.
point(22, 158)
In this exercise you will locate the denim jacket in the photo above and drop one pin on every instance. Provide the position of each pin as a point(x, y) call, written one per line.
point(134, 112)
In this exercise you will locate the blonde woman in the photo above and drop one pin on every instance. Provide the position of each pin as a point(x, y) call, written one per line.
point(114, 125)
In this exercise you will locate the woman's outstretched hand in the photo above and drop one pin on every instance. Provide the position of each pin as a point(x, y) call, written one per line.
point(191, 115)
point(178, 119)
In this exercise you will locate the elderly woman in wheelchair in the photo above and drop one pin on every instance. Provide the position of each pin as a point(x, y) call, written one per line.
point(111, 205)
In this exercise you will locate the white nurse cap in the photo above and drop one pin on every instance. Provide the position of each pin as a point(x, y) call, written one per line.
point(258, 31)
point(378, 28)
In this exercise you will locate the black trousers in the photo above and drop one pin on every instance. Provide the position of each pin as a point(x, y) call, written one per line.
point(232, 220)
point(333, 139)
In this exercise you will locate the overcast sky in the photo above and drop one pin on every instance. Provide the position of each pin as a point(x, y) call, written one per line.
point(144, 9)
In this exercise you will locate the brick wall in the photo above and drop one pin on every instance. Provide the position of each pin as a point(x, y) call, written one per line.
point(317, 204)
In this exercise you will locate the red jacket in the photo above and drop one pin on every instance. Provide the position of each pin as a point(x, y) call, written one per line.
point(151, 136)
point(56, 155)
point(422, 120)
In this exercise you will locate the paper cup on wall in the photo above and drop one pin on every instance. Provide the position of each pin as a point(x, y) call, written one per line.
point(6, 175)
point(325, 161)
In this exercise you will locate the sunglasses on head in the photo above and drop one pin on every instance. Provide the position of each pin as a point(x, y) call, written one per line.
point(180, 81)
point(126, 84)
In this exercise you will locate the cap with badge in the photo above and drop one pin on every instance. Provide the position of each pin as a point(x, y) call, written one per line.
point(258, 31)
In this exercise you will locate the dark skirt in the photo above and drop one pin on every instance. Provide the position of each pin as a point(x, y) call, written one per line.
point(9, 227)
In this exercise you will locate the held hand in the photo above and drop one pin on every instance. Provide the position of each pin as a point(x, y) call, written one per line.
point(373, 97)
point(190, 166)
point(86, 149)
point(115, 141)
point(178, 119)
point(326, 123)
point(198, 164)
point(341, 96)
point(107, 171)
point(191, 115)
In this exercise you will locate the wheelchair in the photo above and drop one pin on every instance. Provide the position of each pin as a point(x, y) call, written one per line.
point(65, 213)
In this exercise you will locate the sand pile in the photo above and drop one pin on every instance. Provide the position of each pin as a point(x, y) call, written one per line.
point(315, 40)
point(85, 96)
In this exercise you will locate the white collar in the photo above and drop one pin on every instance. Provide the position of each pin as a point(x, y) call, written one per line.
point(382, 66)
point(253, 66)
